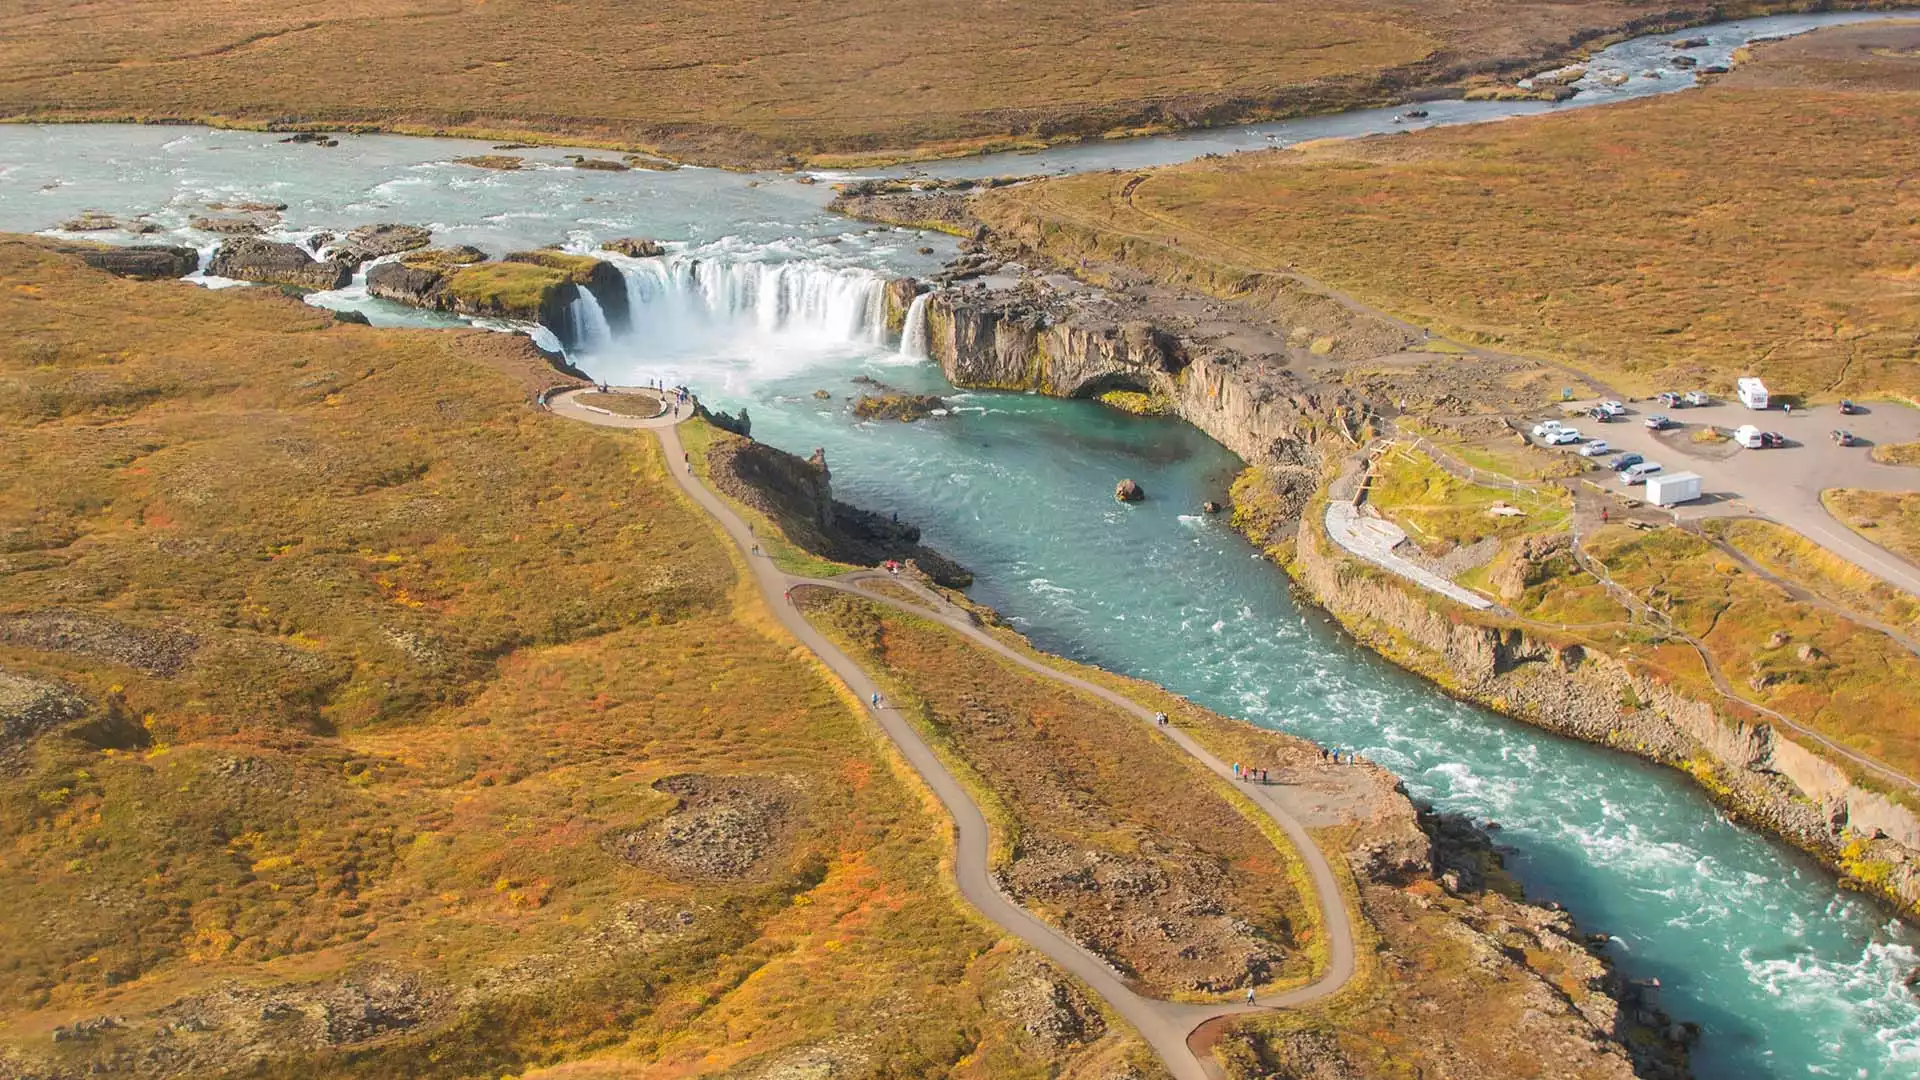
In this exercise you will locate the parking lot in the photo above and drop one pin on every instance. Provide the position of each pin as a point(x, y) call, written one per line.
point(1782, 484)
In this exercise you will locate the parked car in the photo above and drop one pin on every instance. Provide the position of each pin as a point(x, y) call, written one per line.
point(1672, 400)
point(1843, 437)
point(1600, 416)
point(1696, 398)
point(1847, 407)
point(1627, 461)
point(1565, 436)
point(1596, 448)
point(1541, 429)
point(1659, 422)
point(1634, 474)
point(1772, 440)
point(1612, 408)
point(1749, 436)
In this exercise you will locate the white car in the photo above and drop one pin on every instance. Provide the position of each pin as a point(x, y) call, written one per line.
point(1596, 448)
point(1634, 474)
point(1613, 408)
point(1546, 427)
point(1562, 437)
point(1697, 398)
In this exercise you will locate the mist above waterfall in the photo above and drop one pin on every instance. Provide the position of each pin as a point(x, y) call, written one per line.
point(731, 321)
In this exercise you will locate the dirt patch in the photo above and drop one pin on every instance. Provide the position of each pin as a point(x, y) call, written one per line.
point(725, 828)
point(1168, 915)
point(31, 706)
point(1049, 1007)
point(160, 653)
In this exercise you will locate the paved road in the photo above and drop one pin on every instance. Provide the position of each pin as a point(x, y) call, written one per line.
point(1165, 1025)
point(1782, 485)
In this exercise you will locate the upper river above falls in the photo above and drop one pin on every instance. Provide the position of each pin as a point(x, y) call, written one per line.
point(1788, 975)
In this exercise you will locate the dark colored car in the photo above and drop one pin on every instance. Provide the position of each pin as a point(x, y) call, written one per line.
point(1848, 408)
point(1627, 461)
point(1842, 436)
point(1772, 440)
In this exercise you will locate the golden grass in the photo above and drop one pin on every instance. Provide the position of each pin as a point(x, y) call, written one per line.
point(1065, 769)
point(1440, 511)
point(1793, 557)
point(1888, 518)
point(442, 644)
point(1854, 684)
point(1906, 453)
point(736, 82)
point(1617, 240)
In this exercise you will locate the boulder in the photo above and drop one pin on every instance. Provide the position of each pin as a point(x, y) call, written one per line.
point(147, 262)
point(406, 283)
point(253, 259)
point(90, 221)
point(1209, 507)
point(1684, 61)
point(445, 258)
point(1127, 491)
point(248, 224)
point(597, 164)
point(370, 242)
point(903, 407)
point(1688, 43)
point(635, 247)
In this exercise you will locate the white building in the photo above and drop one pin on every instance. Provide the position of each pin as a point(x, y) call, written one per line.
point(1752, 392)
point(1670, 489)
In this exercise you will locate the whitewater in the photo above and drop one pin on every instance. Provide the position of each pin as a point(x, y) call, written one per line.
point(763, 299)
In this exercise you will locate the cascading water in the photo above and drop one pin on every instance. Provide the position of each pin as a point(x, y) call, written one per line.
point(587, 328)
point(679, 298)
point(913, 332)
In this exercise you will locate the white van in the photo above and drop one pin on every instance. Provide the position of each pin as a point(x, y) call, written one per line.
point(1633, 474)
point(1747, 436)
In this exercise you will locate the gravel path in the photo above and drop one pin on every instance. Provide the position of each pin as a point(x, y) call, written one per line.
point(1166, 1026)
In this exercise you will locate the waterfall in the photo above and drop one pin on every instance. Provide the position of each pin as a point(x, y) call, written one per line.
point(587, 329)
point(681, 299)
point(913, 332)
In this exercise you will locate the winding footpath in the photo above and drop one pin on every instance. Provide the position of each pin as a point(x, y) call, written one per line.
point(1171, 1028)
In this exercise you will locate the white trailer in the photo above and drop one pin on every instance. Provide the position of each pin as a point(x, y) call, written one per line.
point(1671, 489)
point(1752, 392)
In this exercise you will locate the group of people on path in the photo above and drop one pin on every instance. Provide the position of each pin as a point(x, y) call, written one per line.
point(1250, 774)
point(1334, 755)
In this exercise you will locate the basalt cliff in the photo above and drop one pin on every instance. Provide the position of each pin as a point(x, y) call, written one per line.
point(1053, 336)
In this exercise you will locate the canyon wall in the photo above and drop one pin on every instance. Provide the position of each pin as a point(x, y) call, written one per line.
point(1081, 346)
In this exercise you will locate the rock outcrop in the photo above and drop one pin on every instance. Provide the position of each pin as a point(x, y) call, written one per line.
point(535, 286)
point(1761, 775)
point(797, 493)
point(147, 262)
point(635, 247)
point(273, 263)
point(1127, 491)
point(369, 242)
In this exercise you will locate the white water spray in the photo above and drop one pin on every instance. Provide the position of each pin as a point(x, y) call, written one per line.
point(587, 327)
point(913, 332)
point(676, 298)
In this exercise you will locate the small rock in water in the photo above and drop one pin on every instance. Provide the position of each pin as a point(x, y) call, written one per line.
point(1210, 507)
point(1127, 491)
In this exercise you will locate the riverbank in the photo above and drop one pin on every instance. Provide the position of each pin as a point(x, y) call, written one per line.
point(1296, 379)
point(668, 86)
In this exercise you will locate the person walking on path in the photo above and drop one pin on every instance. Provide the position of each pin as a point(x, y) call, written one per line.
point(1236, 770)
point(1249, 995)
point(876, 699)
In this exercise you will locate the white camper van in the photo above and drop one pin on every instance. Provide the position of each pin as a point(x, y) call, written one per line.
point(1752, 392)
